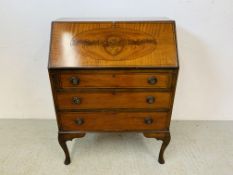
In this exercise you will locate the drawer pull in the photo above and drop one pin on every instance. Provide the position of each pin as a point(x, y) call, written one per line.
point(79, 121)
point(150, 99)
point(76, 100)
point(148, 121)
point(74, 80)
point(152, 80)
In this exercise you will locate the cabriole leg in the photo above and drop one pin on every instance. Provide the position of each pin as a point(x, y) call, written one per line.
point(165, 137)
point(166, 141)
point(63, 138)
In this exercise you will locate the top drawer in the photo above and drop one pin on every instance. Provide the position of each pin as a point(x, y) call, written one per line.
point(116, 80)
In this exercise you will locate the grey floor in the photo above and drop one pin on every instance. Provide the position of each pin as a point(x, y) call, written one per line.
point(30, 147)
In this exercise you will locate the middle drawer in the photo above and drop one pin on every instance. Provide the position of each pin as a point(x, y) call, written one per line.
point(103, 100)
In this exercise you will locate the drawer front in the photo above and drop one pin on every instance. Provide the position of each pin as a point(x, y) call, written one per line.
point(103, 100)
point(108, 121)
point(116, 80)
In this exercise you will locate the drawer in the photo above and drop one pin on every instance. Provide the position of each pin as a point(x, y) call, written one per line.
point(109, 121)
point(116, 80)
point(103, 100)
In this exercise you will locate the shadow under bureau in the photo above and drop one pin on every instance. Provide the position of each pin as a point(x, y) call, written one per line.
point(113, 76)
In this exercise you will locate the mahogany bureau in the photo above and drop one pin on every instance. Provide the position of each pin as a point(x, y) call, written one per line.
point(113, 76)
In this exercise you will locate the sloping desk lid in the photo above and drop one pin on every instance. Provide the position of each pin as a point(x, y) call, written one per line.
point(100, 44)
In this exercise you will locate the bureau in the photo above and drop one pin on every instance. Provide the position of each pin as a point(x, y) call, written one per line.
point(113, 76)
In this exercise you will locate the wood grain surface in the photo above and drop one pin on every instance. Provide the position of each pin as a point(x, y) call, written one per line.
point(113, 100)
point(115, 80)
point(110, 121)
point(113, 44)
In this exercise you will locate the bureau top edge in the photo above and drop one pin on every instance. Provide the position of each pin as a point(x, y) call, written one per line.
point(116, 19)
point(115, 68)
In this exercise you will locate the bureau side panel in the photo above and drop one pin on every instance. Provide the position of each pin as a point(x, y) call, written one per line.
point(54, 81)
point(173, 91)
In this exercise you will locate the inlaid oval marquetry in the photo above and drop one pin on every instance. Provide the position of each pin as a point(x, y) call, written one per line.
point(114, 43)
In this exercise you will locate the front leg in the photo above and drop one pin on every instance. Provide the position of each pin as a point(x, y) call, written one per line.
point(63, 138)
point(165, 137)
point(166, 140)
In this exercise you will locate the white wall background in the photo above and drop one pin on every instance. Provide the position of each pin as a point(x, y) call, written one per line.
point(205, 36)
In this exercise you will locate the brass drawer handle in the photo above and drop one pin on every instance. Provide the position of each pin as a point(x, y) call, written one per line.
point(79, 121)
point(76, 100)
point(152, 80)
point(150, 99)
point(74, 80)
point(148, 120)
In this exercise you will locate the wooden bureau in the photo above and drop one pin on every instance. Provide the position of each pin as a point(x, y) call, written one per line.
point(113, 76)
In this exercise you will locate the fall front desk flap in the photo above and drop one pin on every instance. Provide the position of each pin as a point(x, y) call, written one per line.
point(113, 44)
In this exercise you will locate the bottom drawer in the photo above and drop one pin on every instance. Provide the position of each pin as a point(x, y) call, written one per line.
point(113, 121)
